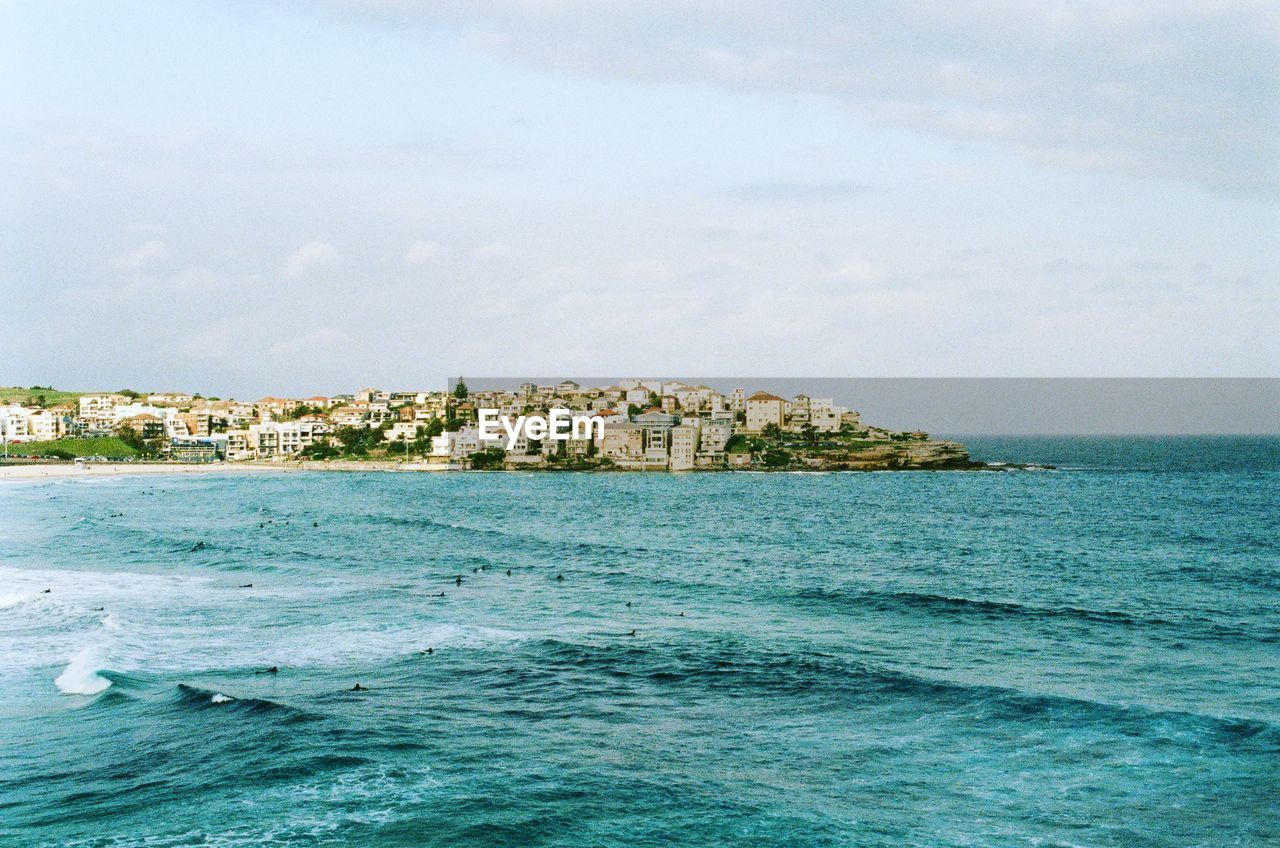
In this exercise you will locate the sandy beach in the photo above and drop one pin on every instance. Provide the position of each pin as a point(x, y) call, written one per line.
point(115, 469)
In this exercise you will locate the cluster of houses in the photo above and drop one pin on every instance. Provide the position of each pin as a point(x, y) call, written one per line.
point(647, 424)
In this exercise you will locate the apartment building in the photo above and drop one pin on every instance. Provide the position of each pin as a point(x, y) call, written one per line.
point(763, 409)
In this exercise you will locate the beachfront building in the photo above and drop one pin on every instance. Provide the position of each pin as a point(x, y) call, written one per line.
point(403, 431)
point(712, 440)
point(282, 438)
point(15, 423)
point(824, 415)
point(763, 409)
point(685, 441)
point(622, 442)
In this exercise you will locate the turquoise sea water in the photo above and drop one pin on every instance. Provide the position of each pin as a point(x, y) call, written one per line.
point(1083, 657)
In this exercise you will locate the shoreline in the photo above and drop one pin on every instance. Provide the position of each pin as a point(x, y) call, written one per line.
point(68, 471)
point(72, 471)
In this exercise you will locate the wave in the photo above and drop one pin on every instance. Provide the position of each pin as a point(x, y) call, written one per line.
point(81, 676)
point(194, 697)
point(961, 606)
point(733, 669)
point(13, 599)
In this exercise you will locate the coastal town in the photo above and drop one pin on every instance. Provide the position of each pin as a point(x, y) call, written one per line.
point(644, 425)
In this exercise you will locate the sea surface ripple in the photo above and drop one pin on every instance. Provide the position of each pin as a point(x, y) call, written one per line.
point(1081, 657)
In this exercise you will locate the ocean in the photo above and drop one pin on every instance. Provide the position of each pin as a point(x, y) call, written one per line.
point(1088, 656)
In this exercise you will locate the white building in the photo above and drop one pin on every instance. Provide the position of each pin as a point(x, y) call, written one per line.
point(15, 421)
point(98, 411)
point(685, 441)
point(280, 438)
point(764, 409)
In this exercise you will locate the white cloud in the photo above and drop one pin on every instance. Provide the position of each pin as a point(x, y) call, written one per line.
point(312, 255)
point(143, 254)
point(423, 251)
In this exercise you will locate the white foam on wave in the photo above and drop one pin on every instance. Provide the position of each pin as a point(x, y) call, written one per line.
point(81, 677)
point(220, 698)
point(13, 599)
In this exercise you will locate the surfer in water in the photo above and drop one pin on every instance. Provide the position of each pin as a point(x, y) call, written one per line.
point(359, 688)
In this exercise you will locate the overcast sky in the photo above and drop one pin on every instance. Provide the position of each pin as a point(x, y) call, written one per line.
point(299, 197)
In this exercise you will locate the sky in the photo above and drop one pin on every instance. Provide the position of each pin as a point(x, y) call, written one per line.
point(298, 197)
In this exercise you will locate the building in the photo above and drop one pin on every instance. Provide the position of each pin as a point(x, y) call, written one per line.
point(713, 439)
point(192, 449)
point(763, 409)
point(281, 438)
point(622, 442)
point(171, 399)
point(403, 431)
point(45, 425)
point(824, 415)
point(237, 445)
point(638, 396)
point(15, 421)
point(98, 412)
point(197, 424)
point(685, 441)
point(147, 425)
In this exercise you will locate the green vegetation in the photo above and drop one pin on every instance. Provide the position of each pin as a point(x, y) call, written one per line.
point(301, 410)
point(774, 458)
point(360, 441)
point(488, 459)
point(108, 446)
point(38, 396)
point(134, 441)
point(320, 451)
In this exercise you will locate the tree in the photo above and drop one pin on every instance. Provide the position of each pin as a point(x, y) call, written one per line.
point(809, 432)
point(771, 431)
point(460, 390)
point(134, 439)
point(319, 450)
point(350, 438)
point(487, 459)
point(774, 458)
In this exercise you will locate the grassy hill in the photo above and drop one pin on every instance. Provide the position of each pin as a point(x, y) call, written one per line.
point(108, 446)
point(31, 396)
